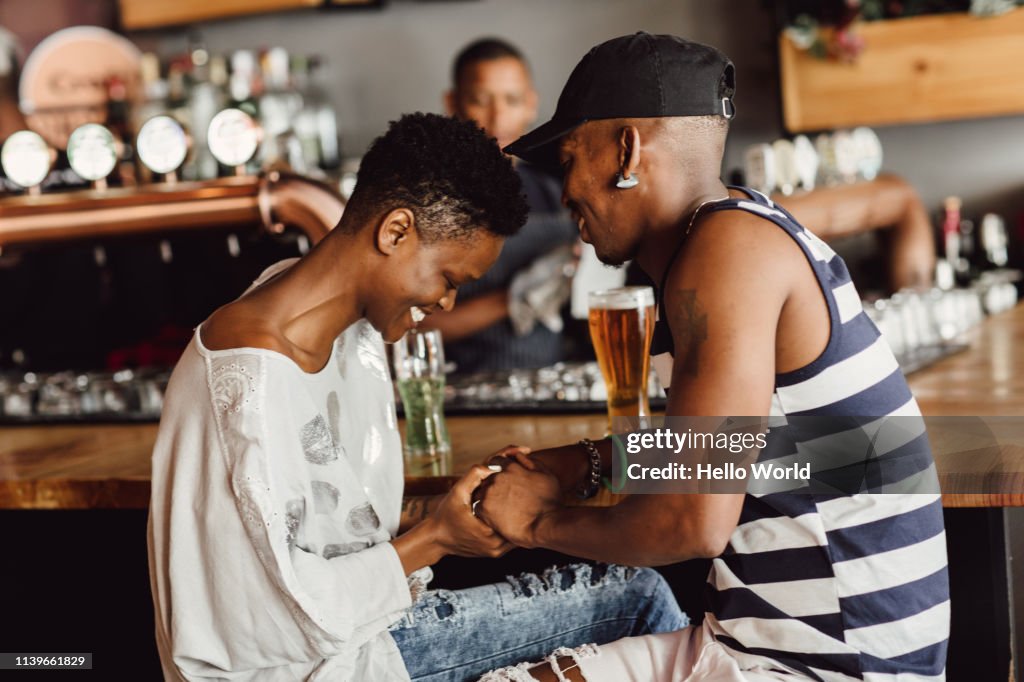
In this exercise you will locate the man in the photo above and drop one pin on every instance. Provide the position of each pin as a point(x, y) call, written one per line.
point(757, 317)
point(492, 86)
point(280, 548)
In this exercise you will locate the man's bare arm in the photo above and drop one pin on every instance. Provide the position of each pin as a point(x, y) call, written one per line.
point(724, 301)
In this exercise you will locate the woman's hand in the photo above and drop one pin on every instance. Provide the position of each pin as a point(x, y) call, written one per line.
point(455, 527)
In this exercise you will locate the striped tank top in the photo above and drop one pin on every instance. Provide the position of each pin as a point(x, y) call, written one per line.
point(844, 586)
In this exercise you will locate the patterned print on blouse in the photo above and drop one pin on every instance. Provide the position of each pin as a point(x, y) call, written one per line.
point(325, 497)
point(362, 520)
point(233, 384)
point(294, 510)
point(317, 444)
point(341, 549)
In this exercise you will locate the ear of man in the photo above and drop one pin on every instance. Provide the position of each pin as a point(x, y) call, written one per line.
point(629, 150)
point(395, 229)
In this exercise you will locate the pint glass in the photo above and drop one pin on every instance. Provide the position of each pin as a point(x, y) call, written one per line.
point(621, 328)
point(419, 372)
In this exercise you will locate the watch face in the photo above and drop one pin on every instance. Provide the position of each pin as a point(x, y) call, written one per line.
point(233, 137)
point(806, 161)
point(162, 144)
point(786, 176)
point(25, 158)
point(869, 152)
point(759, 167)
point(847, 161)
point(92, 152)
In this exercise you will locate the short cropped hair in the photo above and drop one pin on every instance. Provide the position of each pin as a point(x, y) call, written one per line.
point(484, 50)
point(449, 173)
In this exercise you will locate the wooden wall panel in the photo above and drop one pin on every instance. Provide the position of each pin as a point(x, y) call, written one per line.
point(919, 69)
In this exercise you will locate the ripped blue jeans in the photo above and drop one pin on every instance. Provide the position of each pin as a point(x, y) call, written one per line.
point(452, 636)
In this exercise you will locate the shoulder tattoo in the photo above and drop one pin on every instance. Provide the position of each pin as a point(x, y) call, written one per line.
point(689, 325)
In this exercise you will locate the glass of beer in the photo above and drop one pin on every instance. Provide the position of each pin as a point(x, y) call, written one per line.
point(419, 372)
point(621, 329)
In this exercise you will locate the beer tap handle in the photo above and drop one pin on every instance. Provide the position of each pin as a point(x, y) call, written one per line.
point(92, 153)
point(26, 160)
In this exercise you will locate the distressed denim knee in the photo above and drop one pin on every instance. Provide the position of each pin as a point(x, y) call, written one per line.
point(453, 636)
point(638, 599)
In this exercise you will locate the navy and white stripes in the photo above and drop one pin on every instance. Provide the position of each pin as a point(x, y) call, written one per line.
point(840, 586)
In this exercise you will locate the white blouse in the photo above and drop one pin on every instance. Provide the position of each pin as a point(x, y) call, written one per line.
point(275, 494)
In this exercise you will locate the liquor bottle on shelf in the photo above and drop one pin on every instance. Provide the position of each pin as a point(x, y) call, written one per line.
point(951, 237)
point(305, 122)
point(994, 242)
point(279, 105)
point(205, 99)
point(326, 117)
point(968, 250)
point(245, 86)
point(244, 83)
point(154, 90)
point(120, 125)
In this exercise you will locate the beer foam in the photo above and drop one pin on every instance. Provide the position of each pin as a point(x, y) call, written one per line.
point(624, 298)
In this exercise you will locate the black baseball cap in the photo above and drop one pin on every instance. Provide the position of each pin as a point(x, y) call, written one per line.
point(635, 76)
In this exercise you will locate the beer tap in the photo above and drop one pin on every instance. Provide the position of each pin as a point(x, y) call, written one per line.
point(93, 154)
point(162, 145)
point(233, 138)
point(26, 160)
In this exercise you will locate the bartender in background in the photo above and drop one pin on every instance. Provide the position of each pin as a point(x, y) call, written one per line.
point(511, 317)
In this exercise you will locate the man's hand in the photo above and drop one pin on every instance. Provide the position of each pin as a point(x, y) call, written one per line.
point(514, 500)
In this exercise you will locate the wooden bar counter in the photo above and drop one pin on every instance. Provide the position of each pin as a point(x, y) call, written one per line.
point(107, 466)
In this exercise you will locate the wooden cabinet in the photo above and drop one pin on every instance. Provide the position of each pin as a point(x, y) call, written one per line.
point(928, 68)
point(137, 14)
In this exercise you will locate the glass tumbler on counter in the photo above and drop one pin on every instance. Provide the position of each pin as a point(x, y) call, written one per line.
point(419, 372)
point(621, 329)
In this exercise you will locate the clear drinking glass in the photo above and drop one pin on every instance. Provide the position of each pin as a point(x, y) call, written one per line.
point(621, 329)
point(419, 372)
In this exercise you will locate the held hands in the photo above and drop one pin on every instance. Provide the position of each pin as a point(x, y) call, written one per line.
point(457, 530)
point(513, 501)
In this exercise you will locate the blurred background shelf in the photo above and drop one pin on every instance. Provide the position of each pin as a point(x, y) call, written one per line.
point(142, 14)
point(913, 70)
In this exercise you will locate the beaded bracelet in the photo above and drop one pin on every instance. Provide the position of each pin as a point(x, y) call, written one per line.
point(589, 488)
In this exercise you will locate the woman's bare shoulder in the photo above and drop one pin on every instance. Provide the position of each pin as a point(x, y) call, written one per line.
point(236, 326)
